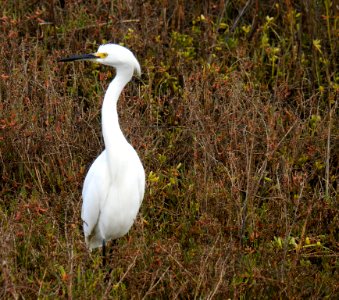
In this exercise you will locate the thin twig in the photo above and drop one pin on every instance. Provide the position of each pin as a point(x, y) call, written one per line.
point(242, 12)
point(155, 284)
point(328, 152)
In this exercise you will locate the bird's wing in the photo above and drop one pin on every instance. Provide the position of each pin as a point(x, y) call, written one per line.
point(138, 172)
point(93, 193)
point(141, 183)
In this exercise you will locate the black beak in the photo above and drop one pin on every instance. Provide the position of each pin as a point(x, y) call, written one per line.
point(78, 57)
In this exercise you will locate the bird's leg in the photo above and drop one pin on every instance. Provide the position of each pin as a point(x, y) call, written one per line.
point(110, 254)
point(103, 253)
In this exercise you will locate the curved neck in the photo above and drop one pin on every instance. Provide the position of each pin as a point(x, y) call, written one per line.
point(110, 122)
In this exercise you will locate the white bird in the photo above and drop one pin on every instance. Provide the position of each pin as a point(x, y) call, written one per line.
point(115, 183)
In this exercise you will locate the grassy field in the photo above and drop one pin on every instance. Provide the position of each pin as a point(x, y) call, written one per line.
point(235, 118)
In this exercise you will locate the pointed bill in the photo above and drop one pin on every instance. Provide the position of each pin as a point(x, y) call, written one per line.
point(79, 57)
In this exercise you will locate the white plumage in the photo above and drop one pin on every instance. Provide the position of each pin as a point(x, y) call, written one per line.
point(115, 183)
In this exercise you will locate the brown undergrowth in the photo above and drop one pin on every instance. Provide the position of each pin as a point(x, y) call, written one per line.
point(235, 119)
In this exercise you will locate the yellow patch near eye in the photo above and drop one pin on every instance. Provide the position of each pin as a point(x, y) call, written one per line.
point(101, 55)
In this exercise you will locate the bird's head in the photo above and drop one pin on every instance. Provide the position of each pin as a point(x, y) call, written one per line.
point(112, 55)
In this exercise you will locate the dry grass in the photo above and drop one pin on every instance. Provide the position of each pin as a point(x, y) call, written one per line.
point(235, 119)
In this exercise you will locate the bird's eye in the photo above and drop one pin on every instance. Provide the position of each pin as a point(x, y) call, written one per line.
point(101, 54)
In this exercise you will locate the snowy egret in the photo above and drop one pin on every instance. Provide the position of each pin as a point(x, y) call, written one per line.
point(115, 183)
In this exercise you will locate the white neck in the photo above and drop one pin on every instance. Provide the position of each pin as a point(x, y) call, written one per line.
point(110, 122)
